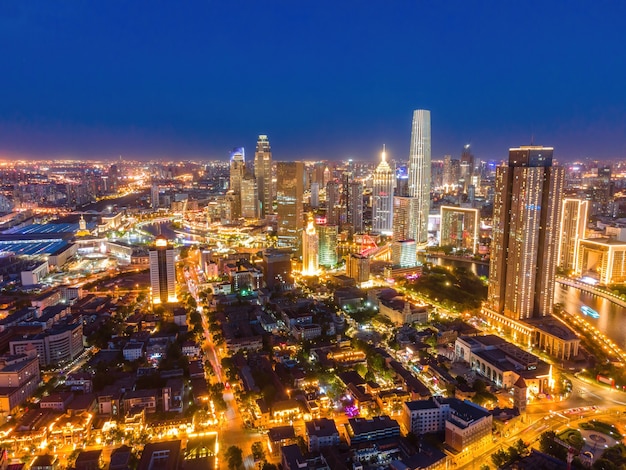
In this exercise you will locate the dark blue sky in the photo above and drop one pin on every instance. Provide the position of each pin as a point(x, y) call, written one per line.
point(324, 79)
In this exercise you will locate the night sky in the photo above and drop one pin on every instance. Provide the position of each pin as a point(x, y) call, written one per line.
point(324, 79)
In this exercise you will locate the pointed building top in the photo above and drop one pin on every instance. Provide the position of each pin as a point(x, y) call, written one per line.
point(384, 154)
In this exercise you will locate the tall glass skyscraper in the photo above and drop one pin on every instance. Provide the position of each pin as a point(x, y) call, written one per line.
point(382, 197)
point(419, 172)
point(263, 173)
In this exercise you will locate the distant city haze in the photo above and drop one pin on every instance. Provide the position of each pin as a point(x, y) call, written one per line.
point(323, 80)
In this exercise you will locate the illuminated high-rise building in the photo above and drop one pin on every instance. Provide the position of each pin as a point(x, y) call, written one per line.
point(154, 196)
point(332, 203)
point(163, 272)
point(310, 250)
point(328, 244)
point(237, 172)
point(403, 220)
point(289, 200)
point(573, 225)
point(524, 247)
point(382, 197)
point(263, 174)
point(358, 267)
point(315, 195)
point(419, 172)
point(355, 206)
point(249, 197)
point(459, 228)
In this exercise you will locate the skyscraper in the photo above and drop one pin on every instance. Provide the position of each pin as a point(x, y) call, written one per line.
point(249, 197)
point(524, 247)
point(332, 203)
point(310, 250)
point(328, 244)
point(355, 206)
point(237, 171)
point(419, 172)
point(263, 174)
point(162, 272)
point(403, 220)
point(382, 197)
point(289, 199)
point(573, 224)
point(154, 196)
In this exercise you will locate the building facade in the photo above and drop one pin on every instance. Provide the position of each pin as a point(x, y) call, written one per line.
point(573, 225)
point(263, 174)
point(460, 228)
point(163, 272)
point(524, 248)
point(310, 250)
point(382, 197)
point(419, 172)
point(289, 198)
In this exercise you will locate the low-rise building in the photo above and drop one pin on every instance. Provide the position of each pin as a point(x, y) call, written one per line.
point(19, 378)
point(321, 433)
point(360, 430)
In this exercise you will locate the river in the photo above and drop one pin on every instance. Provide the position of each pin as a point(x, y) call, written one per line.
point(611, 320)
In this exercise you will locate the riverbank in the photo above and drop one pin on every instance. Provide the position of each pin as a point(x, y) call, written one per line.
point(592, 290)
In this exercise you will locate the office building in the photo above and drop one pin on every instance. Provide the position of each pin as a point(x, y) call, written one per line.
point(154, 196)
point(333, 208)
point(321, 433)
point(467, 426)
point(237, 172)
point(404, 225)
point(249, 197)
point(163, 272)
point(459, 228)
point(382, 197)
point(419, 172)
point(310, 250)
point(60, 344)
point(277, 268)
point(359, 430)
point(289, 199)
point(573, 225)
point(19, 379)
point(358, 267)
point(602, 260)
point(315, 195)
point(355, 206)
point(524, 247)
point(328, 244)
point(404, 253)
point(263, 174)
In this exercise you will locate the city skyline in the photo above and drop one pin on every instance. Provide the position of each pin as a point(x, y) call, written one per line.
point(179, 84)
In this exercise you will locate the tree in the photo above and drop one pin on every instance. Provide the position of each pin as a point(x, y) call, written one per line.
point(548, 445)
point(234, 457)
point(257, 451)
point(500, 458)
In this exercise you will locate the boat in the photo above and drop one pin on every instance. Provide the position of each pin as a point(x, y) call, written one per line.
point(589, 312)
